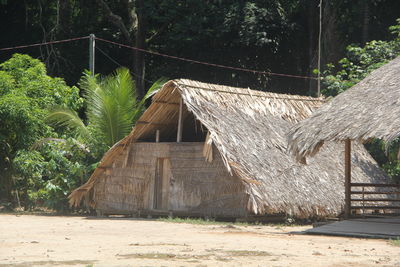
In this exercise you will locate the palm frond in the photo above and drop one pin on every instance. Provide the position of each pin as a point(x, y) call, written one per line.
point(111, 108)
point(64, 117)
point(155, 87)
point(89, 83)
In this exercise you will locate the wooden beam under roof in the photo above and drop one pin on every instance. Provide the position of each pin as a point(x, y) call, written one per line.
point(165, 102)
point(150, 122)
point(180, 122)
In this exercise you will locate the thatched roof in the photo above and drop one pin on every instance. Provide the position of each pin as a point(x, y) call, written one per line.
point(370, 109)
point(249, 130)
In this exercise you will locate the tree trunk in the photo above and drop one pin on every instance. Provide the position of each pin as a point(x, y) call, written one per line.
point(140, 36)
point(5, 184)
point(365, 25)
point(139, 61)
point(311, 8)
point(65, 17)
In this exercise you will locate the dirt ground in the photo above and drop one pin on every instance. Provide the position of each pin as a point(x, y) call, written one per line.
point(27, 240)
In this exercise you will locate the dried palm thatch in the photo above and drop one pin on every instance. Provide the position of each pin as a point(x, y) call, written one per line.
point(368, 110)
point(249, 129)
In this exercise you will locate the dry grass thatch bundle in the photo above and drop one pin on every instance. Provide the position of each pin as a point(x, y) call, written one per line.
point(368, 110)
point(249, 130)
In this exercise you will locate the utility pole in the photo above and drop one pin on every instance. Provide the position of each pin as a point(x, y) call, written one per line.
point(92, 44)
point(319, 49)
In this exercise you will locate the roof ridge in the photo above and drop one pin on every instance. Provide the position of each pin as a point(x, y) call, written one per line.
point(257, 92)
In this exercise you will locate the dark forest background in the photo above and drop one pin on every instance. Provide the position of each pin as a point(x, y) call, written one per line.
point(269, 35)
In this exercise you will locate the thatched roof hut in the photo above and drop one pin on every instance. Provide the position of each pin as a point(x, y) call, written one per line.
point(243, 129)
point(368, 110)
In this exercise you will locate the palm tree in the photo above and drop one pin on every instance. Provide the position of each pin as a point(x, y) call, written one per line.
point(112, 108)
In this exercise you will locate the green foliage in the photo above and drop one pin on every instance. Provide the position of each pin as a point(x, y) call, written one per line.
point(47, 175)
point(43, 168)
point(395, 242)
point(395, 29)
point(68, 118)
point(358, 63)
point(28, 76)
point(387, 156)
point(22, 122)
point(112, 109)
point(111, 106)
point(26, 92)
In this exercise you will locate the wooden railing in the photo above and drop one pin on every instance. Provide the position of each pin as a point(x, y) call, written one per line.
point(375, 198)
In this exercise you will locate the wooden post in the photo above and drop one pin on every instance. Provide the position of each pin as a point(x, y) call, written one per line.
point(157, 136)
point(347, 177)
point(179, 134)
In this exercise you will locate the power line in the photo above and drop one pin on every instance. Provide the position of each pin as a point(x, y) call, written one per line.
point(45, 43)
point(207, 63)
point(164, 55)
point(107, 56)
point(118, 64)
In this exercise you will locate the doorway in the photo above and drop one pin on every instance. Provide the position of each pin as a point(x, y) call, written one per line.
point(162, 184)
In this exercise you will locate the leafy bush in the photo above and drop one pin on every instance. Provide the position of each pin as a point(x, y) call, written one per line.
point(39, 164)
point(48, 174)
point(26, 94)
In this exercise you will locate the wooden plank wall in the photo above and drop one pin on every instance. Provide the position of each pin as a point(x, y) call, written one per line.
point(194, 185)
point(128, 185)
point(203, 187)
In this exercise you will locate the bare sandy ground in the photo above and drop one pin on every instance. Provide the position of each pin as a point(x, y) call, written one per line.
point(79, 241)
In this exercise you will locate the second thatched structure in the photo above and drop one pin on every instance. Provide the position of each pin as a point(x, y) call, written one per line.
point(206, 149)
point(368, 110)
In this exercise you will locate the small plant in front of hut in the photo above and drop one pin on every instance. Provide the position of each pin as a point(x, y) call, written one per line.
point(395, 242)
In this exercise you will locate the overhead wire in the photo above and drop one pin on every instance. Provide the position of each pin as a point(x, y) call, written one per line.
point(120, 65)
point(107, 56)
point(206, 63)
point(44, 43)
point(165, 55)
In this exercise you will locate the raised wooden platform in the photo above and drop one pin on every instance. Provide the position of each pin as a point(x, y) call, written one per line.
point(386, 227)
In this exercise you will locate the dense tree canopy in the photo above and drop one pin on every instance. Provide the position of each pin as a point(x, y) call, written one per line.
point(280, 36)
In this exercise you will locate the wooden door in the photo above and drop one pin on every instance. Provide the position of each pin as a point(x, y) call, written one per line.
point(162, 184)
